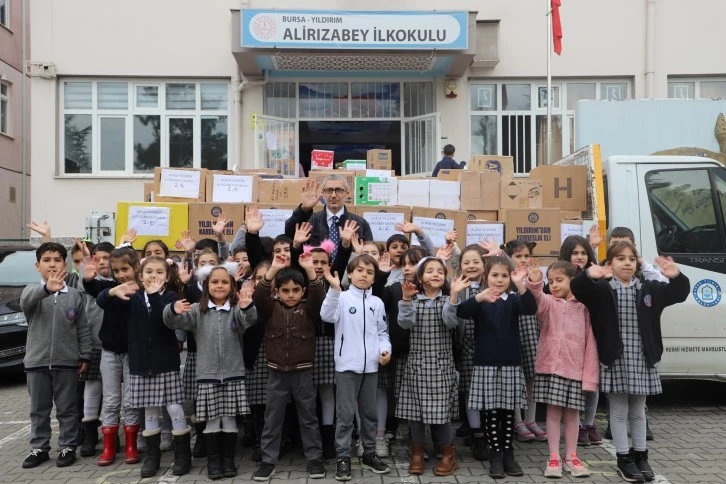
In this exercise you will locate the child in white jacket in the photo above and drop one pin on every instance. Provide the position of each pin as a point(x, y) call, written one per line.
point(361, 344)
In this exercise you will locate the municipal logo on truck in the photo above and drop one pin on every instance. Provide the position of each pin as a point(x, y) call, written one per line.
point(707, 293)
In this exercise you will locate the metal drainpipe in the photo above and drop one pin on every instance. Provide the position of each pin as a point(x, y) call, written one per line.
point(24, 129)
point(650, 50)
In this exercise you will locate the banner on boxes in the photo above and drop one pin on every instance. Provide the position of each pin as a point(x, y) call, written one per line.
point(435, 229)
point(570, 228)
point(179, 183)
point(484, 231)
point(275, 219)
point(383, 224)
point(150, 220)
point(232, 189)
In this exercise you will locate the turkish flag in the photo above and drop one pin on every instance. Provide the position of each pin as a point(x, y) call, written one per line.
point(556, 26)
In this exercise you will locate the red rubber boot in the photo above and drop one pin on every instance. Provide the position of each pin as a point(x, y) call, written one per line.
point(132, 453)
point(109, 445)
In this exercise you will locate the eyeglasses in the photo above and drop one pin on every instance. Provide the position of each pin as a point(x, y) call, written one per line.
point(337, 191)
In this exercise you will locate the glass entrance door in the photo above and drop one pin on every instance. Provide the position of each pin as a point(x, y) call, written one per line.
point(276, 144)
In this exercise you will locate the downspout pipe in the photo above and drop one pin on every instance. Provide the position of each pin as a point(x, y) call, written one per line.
point(24, 119)
point(242, 82)
point(650, 50)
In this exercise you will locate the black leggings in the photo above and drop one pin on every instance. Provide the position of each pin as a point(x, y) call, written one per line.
point(499, 424)
point(442, 431)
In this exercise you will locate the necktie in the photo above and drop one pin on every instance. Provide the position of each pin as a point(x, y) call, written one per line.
point(334, 237)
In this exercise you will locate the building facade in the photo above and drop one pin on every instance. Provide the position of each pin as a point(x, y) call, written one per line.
point(257, 83)
point(14, 139)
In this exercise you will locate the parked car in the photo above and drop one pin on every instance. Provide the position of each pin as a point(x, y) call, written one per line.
point(17, 270)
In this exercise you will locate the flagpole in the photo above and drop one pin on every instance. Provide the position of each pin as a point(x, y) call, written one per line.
point(549, 81)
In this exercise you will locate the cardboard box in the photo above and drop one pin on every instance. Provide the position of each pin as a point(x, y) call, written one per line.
point(321, 160)
point(541, 226)
point(355, 165)
point(383, 220)
point(203, 216)
point(163, 221)
point(571, 214)
point(414, 192)
point(376, 191)
point(570, 227)
point(444, 194)
point(451, 175)
point(379, 159)
point(149, 192)
point(275, 216)
point(231, 188)
point(481, 190)
point(477, 230)
point(436, 223)
point(179, 184)
point(521, 193)
point(491, 215)
point(286, 191)
point(564, 187)
point(504, 165)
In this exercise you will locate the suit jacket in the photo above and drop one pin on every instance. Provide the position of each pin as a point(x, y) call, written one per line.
point(319, 221)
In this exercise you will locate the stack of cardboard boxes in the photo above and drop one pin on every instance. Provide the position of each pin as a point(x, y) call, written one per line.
point(484, 201)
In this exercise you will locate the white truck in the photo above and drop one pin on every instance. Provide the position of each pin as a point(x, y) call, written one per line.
point(676, 206)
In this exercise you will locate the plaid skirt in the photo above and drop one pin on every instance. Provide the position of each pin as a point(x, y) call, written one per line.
point(387, 375)
point(94, 367)
point(189, 377)
point(221, 400)
point(497, 387)
point(401, 361)
point(324, 362)
point(429, 392)
point(466, 357)
point(560, 391)
point(256, 384)
point(156, 391)
point(529, 339)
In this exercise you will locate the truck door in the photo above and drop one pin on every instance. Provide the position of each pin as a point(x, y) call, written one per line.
point(682, 216)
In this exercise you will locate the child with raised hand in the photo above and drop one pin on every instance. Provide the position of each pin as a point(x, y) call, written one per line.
point(625, 314)
point(58, 348)
point(153, 360)
point(218, 321)
point(567, 363)
point(429, 389)
point(361, 344)
point(527, 429)
point(290, 345)
point(497, 383)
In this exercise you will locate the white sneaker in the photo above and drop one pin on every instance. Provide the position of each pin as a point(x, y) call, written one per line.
point(381, 446)
point(575, 467)
point(554, 467)
point(360, 450)
point(165, 444)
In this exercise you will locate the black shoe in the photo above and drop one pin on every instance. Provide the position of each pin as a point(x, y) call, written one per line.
point(327, 436)
point(627, 468)
point(464, 429)
point(152, 459)
point(200, 443)
point(256, 455)
point(248, 437)
point(496, 465)
point(342, 471)
point(182, 453)
point(648, 432)
point(89, 440)
point(35, 458)
point(510, 465)
point(641, 460)
point(316, 469)
point(214, 456)
point(229, 446)
point(374, 463)
point(264, 472)
point(66, 457)
point(608, 434)
point(480, 447)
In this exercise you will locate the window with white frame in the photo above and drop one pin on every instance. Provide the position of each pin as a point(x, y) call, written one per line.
point(4, 107)
point(4, 12)
point(130, 127)
point(690, 88)
point(510, 117)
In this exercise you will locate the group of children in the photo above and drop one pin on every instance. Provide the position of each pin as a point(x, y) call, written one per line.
point(356, 326)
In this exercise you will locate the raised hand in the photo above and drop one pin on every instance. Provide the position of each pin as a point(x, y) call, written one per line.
point(595, 236)
point(384, 359)
point(182, 306)
point(56, 281)
point(129, 237)
point(452, 236)
point(445, 252)
point(218, 227)
point(244, 296)
point(153, 286)
point(409, 290)
point(185, 273)
point(489, 295)
point(89, 269)
point(357, 245)
point(124, 291)
point(384, 262)
point(306, 262)
point(348, 232)
point(333, 279)
point(253, 220)
point(82, 246)
point(408, 228)
point(279, 262)
point(600, 272)
point(518, 276)
point(41, 229)
point(310, 194)
point(667, 267)
point(491, 246)
point(239, 273)
point(188, 243)
point(303, 232)
point(459, 284)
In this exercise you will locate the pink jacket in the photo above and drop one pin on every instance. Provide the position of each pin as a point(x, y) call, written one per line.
point(566, 343)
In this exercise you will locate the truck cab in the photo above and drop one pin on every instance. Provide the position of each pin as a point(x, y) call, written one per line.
point(676, 207)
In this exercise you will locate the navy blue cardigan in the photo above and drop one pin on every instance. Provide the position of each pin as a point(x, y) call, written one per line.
point(496, 328)
point(114, 334)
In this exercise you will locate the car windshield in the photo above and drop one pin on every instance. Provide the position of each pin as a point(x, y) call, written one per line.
point(17, 268)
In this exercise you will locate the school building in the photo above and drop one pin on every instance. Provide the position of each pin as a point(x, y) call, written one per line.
point(121, 87)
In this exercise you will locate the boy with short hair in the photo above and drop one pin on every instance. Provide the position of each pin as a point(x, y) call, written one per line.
point(58, 348)
point(357, 314)
point(650, 273)
point(448, 162)
point(290, 326)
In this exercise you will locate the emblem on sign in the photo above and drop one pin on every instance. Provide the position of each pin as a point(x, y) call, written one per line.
point(263, 27)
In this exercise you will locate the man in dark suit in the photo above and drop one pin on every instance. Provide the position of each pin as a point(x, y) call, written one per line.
point(334, 189)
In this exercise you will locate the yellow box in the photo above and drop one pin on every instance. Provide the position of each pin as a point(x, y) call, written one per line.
point(178, 221)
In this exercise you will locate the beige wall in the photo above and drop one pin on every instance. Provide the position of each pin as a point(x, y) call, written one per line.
point(189, 39)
